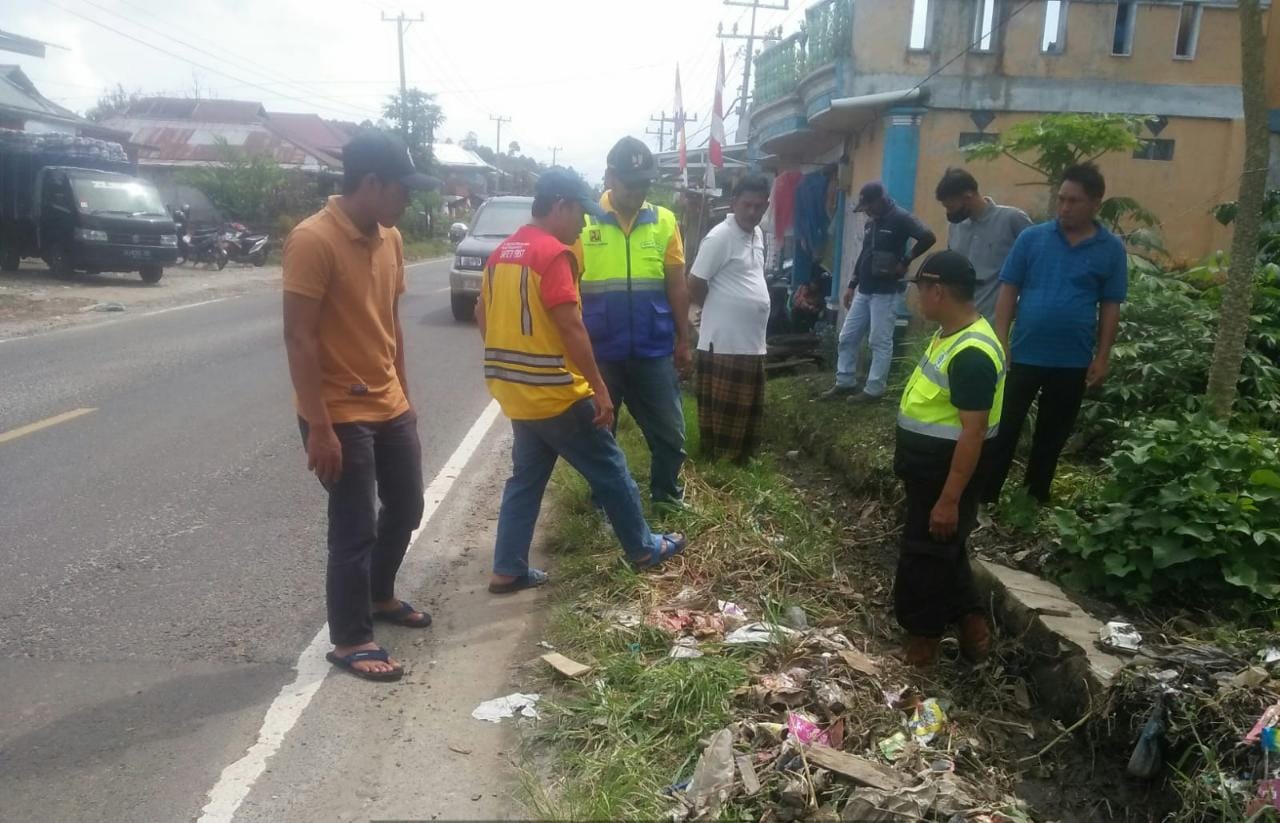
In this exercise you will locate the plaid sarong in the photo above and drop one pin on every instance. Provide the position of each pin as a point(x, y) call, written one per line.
point(730, 390)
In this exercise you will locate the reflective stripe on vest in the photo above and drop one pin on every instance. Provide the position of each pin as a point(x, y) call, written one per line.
point(926, 402)
point(526, 365)
point(624, 293)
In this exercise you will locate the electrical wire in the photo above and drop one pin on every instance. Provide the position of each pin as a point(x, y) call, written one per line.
point(345, 111)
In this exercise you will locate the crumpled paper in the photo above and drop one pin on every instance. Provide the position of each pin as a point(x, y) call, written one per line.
point(494, 711)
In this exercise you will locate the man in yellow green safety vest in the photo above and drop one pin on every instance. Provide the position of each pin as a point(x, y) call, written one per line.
point(635, 304)
point(950, 412)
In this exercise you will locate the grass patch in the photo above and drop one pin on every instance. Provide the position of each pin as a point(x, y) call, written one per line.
point(754, 539)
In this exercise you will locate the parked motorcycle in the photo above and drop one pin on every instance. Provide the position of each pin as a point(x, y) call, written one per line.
point(204, 246)
point(243, 247)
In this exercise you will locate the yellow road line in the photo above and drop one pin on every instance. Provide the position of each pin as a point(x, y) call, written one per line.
point(31, 428)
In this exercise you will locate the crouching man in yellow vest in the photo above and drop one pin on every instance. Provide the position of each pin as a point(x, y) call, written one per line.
point(540, 368)
point(950, 412)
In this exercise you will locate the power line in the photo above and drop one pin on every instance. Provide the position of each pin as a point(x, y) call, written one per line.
point(402, 25)
point(345, 111)
point(241, 61)
point(750, 37)
point(499, 119)
point(344, 104)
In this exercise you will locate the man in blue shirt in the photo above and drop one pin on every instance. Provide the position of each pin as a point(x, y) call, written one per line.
point(877, 279)
point(1064, 282)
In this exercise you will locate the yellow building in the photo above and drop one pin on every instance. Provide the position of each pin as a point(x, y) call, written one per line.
point(893, 89)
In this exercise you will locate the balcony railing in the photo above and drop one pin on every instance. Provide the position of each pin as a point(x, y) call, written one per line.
point(825, 36)
point(828, 33)
point(778, 69)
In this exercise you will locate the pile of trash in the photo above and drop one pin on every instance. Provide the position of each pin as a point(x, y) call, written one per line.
point(1213, 714)
point(826, 733)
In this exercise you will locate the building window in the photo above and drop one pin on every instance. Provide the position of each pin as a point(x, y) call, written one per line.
point(920, 25)
point(1126, 20)
point(1188, 31)
point(1054, 39)
point(984, 25)
point(972, 138)
point(1154, 149)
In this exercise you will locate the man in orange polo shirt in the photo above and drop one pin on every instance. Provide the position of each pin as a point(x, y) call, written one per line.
point(343, 277)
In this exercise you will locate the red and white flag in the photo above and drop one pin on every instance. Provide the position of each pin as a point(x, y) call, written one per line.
point(678, 125)
point(715, 148)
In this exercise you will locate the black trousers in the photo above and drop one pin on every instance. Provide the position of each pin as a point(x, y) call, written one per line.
point(373, 509)
point(934, 584)
point(1060, 392)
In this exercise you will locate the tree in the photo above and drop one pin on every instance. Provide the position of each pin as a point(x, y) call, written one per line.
point(1237, 297)
point(1057, 141)
point(246, 187)
point(112, 102)
point(417, 117)
point(513, 149)
point(470, 142)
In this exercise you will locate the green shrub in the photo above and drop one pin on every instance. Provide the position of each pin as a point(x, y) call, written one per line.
point(1191, 508)
point(1160, 363)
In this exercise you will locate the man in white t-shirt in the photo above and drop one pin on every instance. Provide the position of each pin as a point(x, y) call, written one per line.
point(727, 283)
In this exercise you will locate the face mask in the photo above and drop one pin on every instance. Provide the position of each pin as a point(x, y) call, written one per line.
point(958, 216)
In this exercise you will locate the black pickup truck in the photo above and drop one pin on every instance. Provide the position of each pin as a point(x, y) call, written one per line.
point(76, 204)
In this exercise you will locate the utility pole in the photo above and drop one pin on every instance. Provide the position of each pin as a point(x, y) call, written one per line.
point(499, 119)
point(402, 25)
point(661, 133)
point(554, 151)
point(750, 37)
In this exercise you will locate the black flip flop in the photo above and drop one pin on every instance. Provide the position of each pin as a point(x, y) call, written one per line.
point(531, 579)
point(347, 664)
point(403, 617)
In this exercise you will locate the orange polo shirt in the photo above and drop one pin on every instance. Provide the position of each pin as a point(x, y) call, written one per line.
point(357, 279)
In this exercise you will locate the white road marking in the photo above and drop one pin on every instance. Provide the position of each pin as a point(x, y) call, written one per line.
point(238, 779)
point(117, 320)
point(31, 428)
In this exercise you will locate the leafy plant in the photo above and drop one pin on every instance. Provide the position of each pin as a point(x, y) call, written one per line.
point(253, 188)
point(1191, 507)
point(1269, 231)
point(1160, 363)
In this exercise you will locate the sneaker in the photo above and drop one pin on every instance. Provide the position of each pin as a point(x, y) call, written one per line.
point(862, 398)
point(836, 392)
point(975, 638)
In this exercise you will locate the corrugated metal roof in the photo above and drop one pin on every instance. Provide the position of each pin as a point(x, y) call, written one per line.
point(210, 111)
point(451, 155)
point(310, 131)
point(18, 93)
point(187, 143)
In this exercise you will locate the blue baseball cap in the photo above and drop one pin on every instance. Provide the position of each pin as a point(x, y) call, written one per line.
point(562, 184)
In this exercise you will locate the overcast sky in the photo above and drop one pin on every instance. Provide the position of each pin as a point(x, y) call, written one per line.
point(577, 74)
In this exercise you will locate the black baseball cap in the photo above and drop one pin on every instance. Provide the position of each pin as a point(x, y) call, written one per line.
point(563, 184)
point(870, 193)
point(949, 267)
point(383, 154)
point(632, 162)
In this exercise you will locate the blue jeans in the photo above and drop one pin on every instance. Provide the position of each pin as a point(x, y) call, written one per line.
point(650, 389)
point(871, 315)
point(596, 456)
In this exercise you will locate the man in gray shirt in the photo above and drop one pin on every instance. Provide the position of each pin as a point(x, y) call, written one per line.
point(981, 230)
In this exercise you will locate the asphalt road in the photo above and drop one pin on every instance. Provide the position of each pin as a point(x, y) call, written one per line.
point(163, 551)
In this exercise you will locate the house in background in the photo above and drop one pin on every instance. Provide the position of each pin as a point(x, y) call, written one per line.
point(466, 176)
point(181, 133)
point(893, 89)
point(24, 108)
